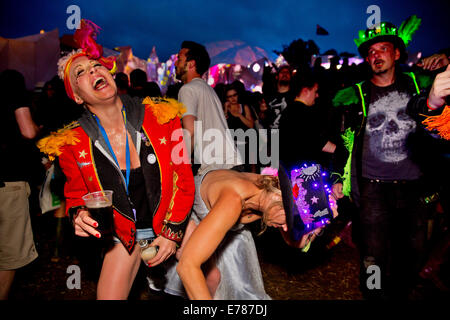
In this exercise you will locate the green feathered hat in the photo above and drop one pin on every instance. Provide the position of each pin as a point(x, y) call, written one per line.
point(388, 32)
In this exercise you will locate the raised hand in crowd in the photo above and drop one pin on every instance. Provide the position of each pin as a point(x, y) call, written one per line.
point(434, 62)
point(440, 89)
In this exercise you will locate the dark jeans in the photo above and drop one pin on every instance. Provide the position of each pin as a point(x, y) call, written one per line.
point(392, 236)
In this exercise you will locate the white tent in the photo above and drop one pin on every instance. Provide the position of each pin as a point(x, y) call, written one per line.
point(35, 56)
point(235, 52)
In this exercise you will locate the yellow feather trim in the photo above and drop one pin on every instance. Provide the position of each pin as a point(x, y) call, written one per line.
point(52, 144)
point(164, 109)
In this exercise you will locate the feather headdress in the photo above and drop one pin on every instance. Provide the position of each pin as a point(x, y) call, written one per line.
point(84, 37)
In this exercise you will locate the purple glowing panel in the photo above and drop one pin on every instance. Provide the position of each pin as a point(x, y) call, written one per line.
point(311, 196)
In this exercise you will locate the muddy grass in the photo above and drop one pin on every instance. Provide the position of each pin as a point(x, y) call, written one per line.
point(288, 274)
point(319, 274)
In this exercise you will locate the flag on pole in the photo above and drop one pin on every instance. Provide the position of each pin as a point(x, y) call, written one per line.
point(321, 31)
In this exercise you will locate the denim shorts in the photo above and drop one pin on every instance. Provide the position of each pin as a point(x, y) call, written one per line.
point(141, 234)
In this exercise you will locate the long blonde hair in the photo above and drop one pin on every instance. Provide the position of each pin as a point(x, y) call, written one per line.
point(268, 184)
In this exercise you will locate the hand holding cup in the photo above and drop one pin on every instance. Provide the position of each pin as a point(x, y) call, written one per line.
point(85, 225)
point(98, 218)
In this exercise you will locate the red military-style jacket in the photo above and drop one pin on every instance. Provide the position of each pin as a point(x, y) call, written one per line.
point(156, 133)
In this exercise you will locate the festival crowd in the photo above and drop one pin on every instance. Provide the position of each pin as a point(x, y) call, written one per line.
point(186, 188)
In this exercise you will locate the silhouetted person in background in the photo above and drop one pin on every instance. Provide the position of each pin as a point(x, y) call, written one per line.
point(152, 89)
point(142, 88)
point(303, 134)
point(122, 83)
point(172, 90)
point(282, 96)
point(244, 95)
point(240, 116)
point(263, 114)
point(138, 80)
point(220, 91)
point(18, 129)
point(54, 110)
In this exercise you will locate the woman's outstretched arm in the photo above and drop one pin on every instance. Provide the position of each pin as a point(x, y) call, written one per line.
point(204, 241)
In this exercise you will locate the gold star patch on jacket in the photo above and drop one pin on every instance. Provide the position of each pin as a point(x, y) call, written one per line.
point(82, 154)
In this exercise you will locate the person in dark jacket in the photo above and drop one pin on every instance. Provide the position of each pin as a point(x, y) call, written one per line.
point(385, 180)
point(303, 134)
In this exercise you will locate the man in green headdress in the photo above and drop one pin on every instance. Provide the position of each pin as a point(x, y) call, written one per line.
point(381, 176)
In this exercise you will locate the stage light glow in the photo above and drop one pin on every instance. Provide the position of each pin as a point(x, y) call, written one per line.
point(257, 89)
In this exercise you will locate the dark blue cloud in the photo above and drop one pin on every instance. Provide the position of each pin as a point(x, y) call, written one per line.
point(268, 24)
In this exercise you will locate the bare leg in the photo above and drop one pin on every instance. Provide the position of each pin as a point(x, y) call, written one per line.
point(212, 277)
point(212, 273)
point(118, 273)
point(6, 280)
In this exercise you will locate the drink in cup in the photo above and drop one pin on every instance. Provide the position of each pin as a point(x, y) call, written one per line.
point(99, 205)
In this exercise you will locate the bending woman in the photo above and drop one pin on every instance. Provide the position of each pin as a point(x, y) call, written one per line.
point(122, 145)
point(231, 198)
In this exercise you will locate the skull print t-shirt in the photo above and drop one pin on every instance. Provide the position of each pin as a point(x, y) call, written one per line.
point(385, 151)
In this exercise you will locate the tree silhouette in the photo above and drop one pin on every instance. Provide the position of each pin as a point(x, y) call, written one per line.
point(331, 52)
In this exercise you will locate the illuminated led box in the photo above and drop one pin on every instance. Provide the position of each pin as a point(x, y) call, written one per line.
point(305, 198)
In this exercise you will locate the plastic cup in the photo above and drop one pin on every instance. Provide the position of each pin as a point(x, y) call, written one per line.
point(99, 205)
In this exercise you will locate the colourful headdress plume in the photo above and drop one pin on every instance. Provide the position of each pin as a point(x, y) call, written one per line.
point(386, 31)
point(85, 37)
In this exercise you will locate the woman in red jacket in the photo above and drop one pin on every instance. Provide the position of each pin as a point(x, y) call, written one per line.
point(129, 147)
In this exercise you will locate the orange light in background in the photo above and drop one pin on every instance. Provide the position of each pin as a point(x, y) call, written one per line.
point(42, 31)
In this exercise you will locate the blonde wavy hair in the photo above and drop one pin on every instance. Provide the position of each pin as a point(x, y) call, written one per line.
point(269, 184)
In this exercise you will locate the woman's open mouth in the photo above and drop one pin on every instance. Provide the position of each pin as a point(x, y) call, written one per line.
point(100, 83)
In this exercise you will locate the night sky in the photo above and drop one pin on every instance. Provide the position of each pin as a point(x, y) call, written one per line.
point(267, 24)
